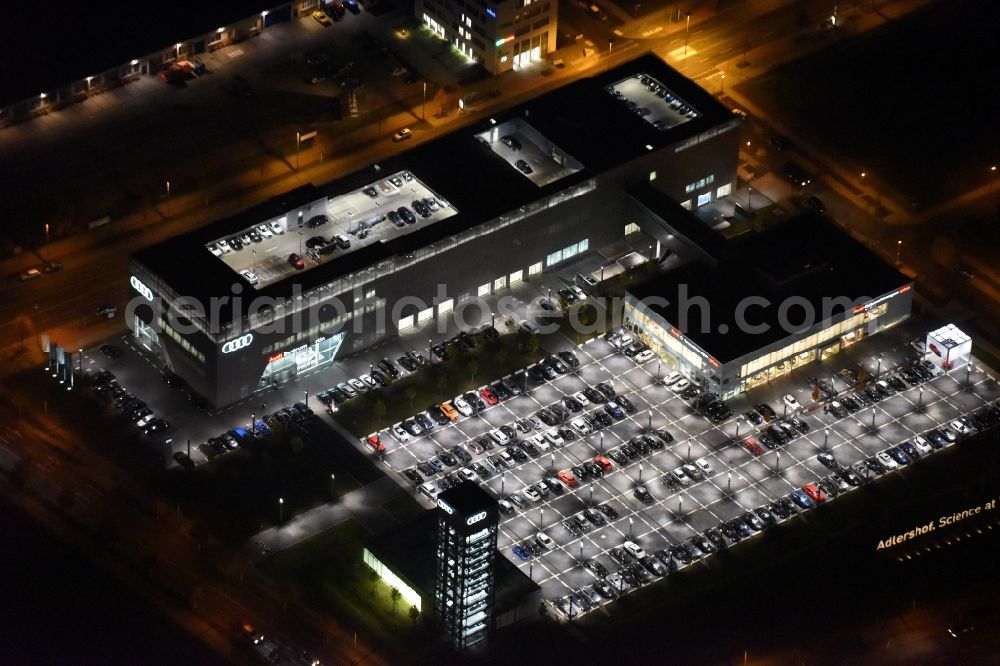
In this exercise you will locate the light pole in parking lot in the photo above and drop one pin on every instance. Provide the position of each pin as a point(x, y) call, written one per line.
point(649, 420)
point(333, 477)
point(591, 495)
point(552, 463)
point(826, 436)
point(189, 448)
point(873, 418)
point(640, 471)
point(630, 528)
point(777, 460)
point(253, 422)
point(503, 481)
point(307, 398)
point(689, 450)
point(281, 510)
point(541, 517)
point(680, 505)
point(729, 481)
point(298, 142)
point(920, 399)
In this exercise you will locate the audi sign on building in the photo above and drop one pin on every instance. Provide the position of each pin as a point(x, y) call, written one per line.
point(239, 343)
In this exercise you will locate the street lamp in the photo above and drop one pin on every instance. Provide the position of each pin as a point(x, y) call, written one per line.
point(723, 90)
point(168, 199)
point(333, 478)
point(899, 248)
point(298, 142)
point(281, 510)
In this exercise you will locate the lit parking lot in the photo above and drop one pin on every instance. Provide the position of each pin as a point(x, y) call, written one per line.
point(394, 205)
point(738, 482)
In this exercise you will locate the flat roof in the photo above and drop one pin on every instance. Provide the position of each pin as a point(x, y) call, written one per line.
point(805, 257)
point(69, 41)
point(411, 552)
point(581, 118)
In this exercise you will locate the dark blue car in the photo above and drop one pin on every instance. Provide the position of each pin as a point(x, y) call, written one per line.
point(899, 455)
point(522, 552)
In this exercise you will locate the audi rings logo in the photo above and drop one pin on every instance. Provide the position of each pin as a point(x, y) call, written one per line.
point(472, 520)
point(447, 507)
point(141, 288)
point(239, 343)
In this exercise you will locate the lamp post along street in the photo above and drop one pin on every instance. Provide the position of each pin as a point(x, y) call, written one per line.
point(687, 32)
point(298, 142)
point(281, 510)
point(333, 477)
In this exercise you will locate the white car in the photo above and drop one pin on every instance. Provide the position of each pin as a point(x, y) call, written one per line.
point(531, 495)
point(368, 381)
point(464, 408)
point(580, 294)
point(791, 401)
point(475, 447)
point(960, 427)
point(645, 355)
point(498, 436)
point(634, 549)
point(224, 246)
point(704, 466)
point(250, 277)
point(540, 442)
point(358, 385)
point(545, 541)
point(215, 250)
point(400, 434)
point(673, 377)
point(887, 460)
point(265, 230)
point(581, 398)
point(554, 438)
point(681, 477)
point(623, 341)
point(144, 421)
point(468, 475)
point(277, 228)
point(580, 426)
point(680, 385)
point(922, 445)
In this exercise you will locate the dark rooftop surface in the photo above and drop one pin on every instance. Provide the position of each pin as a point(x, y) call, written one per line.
point(53, 44)
point(805, 257)
point(410, 551)
point(468, 498)
point(580, 117)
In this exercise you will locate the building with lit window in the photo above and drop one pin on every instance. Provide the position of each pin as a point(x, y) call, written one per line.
point(758, 307)
point(498, 34)
point(465, 584)
point(508, 198)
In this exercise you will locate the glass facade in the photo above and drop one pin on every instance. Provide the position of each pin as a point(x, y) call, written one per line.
point(286, 365)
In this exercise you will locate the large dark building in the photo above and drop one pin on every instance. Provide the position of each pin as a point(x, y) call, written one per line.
point(486, 207)
point(758, 307)
point(468, 520)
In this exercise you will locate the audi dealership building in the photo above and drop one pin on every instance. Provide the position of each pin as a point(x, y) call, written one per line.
point(496, 202)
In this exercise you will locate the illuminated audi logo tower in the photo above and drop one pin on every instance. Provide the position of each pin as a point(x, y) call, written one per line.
point(466, 553)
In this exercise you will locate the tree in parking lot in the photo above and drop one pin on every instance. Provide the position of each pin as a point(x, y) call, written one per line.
point(472, 368)
point(411, 393)
point(394, 593)
point(379, 409)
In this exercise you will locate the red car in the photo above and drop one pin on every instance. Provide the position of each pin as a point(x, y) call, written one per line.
point(489, 396)
point(753, 446)
point(815, 494)
point(296, 261)
point(603, 463)
point(567, 477)
point(375, 443)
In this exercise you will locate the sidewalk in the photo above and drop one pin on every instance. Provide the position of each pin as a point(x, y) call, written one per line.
point(363, 505)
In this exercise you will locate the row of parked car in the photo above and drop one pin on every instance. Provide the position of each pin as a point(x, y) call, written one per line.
point(384, 371)
point(295, 415)
point(889, 383)
point(104, 384)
